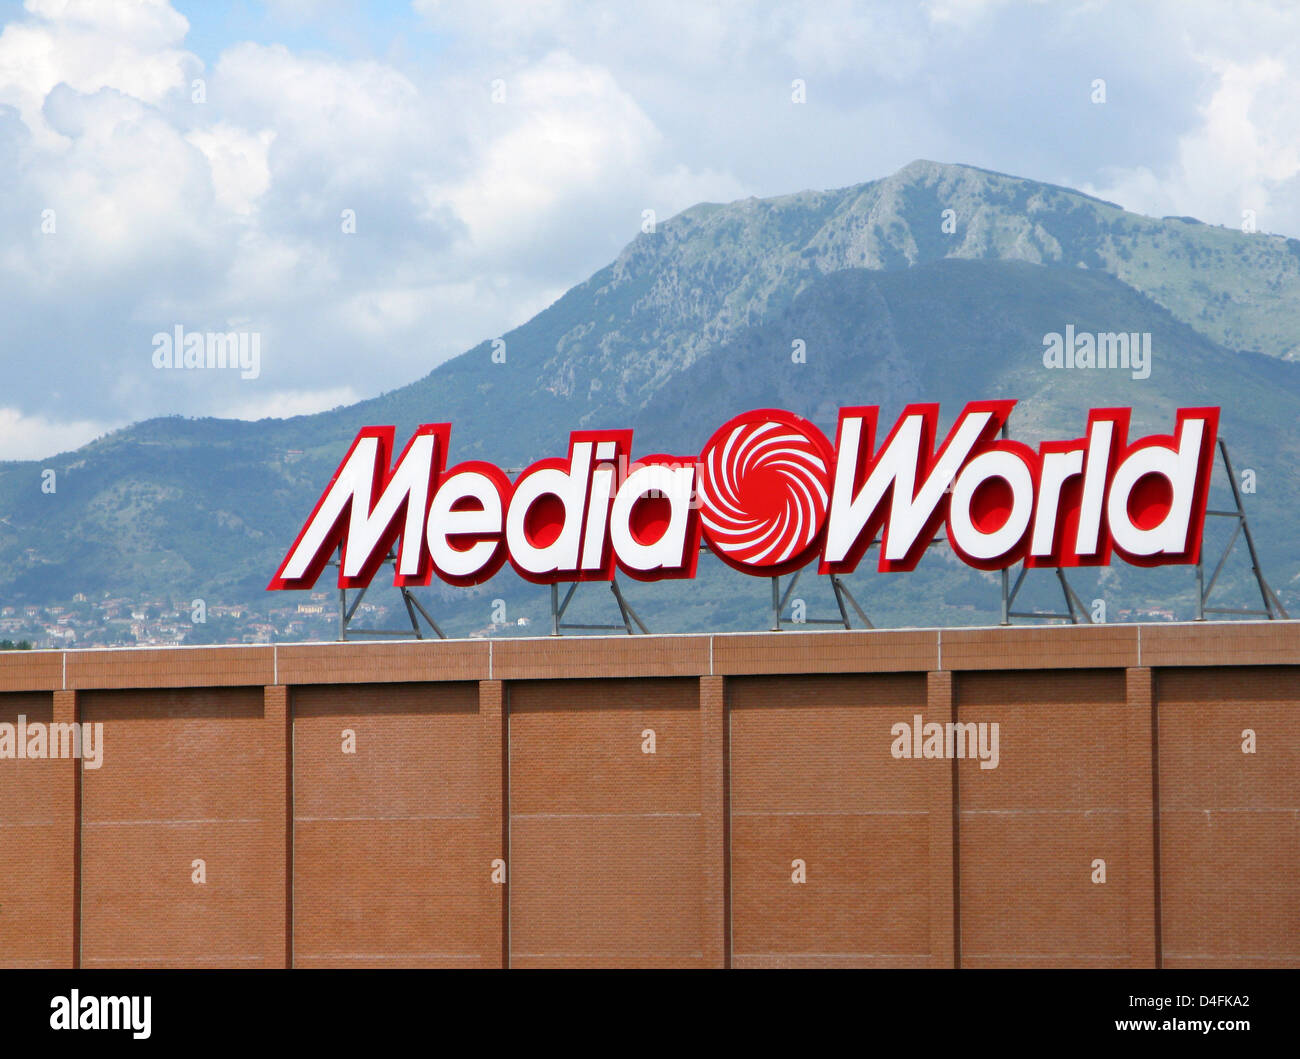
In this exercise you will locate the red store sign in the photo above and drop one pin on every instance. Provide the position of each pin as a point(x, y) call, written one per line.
point(768, 494)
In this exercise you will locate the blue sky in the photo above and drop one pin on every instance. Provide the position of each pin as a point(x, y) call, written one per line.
point(191, 163)
point(344, 29)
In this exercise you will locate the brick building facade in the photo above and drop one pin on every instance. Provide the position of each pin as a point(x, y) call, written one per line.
point(726, 800)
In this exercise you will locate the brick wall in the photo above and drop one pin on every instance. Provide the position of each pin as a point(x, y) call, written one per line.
point(816, 797)
point(1229, 821)
point(37, 830)
point(1032, 830)
point(386, 841)
point(178, 796)
point(739, 800)
point(605, 830)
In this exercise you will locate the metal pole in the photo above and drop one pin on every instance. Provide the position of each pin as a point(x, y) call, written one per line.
point(432, 624)
point(789, 591)
point(343, 602)
point(1006, 604)
point(625, 608)
point(410, 613)
point(839, 602)
point(1245, 527)
point(1072, 600)
point(842, 587)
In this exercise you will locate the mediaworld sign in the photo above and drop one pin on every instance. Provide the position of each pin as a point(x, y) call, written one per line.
point(768, 494)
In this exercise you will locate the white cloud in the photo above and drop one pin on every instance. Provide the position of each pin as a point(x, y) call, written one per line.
point(89, 45)
point(839, 36)
point(127, 188)
point(699, 40)
point(32, 437)
point(240, 175)
point(566, 130)
point(1243, 155)
point(288, 403)
point(472, 216)
point(962, 13)
point(342, 116)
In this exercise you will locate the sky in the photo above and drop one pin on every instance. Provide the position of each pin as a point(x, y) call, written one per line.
point(372, 188)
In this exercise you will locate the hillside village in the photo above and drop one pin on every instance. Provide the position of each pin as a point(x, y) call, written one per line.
point(119, 621)
point(115, 621)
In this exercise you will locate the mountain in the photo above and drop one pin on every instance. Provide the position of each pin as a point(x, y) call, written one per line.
point(894, 299)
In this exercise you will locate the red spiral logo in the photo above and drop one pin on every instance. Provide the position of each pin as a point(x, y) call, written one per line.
point(764, 489)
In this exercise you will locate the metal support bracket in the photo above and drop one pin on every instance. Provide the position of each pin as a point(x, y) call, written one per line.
point(1076, 611)
point(629, 616)
point(842, 595)
point(1273, 609)
point(413, 607)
